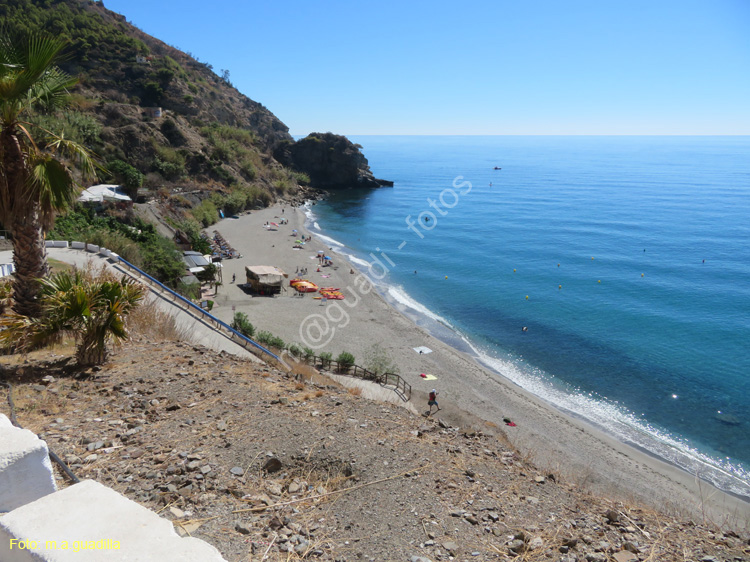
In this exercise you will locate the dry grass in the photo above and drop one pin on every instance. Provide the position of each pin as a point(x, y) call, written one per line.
point(355, 391)
point(151, 322)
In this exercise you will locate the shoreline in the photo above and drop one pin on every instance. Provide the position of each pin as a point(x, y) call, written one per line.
point(471, 393)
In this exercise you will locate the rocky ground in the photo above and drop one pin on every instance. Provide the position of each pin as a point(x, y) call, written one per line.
point(268, 467)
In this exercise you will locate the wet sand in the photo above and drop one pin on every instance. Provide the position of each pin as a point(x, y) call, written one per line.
point(469, 393)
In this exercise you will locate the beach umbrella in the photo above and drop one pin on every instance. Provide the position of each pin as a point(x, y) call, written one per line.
point(274, 224)
point(326, 258)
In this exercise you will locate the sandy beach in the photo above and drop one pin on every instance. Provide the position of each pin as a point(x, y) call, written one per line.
point(470, 395)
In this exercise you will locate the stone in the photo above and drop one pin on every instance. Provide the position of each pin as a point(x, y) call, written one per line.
point(272, 465)
point(516, 546)
point(536, 543)
point(242, 528)
point(293, 488)
point(237, 471)
point(624, 556)
point(612, 516)
point(419, 559)
point(450, 546)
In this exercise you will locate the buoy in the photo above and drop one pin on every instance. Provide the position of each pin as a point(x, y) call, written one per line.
point(527, 297)
point(514, 271)
point(559, 286)
point(641, 274)
point(592, 257)
point(599, 281)
point(446, 277)
point(558, 265)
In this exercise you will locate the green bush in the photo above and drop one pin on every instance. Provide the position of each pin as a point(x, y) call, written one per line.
point(243, 325)
point(127, 176)
point(277, 342)
point(378, 361)
point(309, 354)
point(191, 291)
point(345, 361)
point(264, 337)
point(295, 351)
point(325, 358)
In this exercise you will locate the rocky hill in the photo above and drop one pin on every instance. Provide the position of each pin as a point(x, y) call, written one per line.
point(165, 122)
point(266, 466)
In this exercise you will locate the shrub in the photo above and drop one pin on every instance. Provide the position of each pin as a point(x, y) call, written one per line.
point(277, 342)
point(295, 351)
point(325, 358)
point(243, 325)
point(264, 337)
point(309, 353)
point(191, 291)
point(345, 361)
point(378, 361)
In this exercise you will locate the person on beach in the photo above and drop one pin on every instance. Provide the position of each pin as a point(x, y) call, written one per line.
point(432, 401)
point(234, 276)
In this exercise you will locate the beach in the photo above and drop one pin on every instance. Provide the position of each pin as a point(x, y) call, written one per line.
point(469, 394)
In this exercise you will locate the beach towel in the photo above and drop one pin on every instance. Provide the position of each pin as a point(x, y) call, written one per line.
point(427, 377)
point(422, 350)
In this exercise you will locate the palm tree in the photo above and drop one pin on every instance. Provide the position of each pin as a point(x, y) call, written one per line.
point(35, 179)
point(93, 309)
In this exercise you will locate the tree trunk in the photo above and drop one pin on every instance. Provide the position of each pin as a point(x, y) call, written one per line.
point(30, 258)
point(91, 350)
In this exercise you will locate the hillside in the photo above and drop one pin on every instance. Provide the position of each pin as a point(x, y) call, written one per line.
point(254, 461)
point(167, 126)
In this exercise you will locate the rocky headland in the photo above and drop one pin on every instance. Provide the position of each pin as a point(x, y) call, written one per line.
point(331, 161)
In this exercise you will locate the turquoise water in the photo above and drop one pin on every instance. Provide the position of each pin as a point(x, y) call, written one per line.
point(634, 253)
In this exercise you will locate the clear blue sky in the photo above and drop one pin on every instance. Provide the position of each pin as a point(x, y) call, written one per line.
point(493, 67)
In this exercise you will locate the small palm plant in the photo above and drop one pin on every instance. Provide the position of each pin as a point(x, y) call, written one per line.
point(93, 309)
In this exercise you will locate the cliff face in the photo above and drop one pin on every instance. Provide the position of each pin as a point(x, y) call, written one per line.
point(331, 161)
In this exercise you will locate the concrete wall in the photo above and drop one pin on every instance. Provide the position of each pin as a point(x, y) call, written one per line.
point(88, 522)
point(25, 469)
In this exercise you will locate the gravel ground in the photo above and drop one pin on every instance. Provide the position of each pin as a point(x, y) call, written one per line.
point(268, 467)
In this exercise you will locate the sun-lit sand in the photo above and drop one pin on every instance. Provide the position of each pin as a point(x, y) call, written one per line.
point(469, 393)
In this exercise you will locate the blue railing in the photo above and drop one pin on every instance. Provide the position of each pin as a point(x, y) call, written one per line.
point(199, 309)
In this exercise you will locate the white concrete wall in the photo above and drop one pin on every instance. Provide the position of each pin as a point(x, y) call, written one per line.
point(117, 529)
point(78, 245)
point(25, 469)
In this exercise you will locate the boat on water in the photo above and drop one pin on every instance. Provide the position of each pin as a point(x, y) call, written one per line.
point(497, 168)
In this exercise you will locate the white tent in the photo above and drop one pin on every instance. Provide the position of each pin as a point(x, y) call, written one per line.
point(103, 192)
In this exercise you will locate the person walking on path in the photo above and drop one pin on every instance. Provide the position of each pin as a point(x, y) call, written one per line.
point(432, 400)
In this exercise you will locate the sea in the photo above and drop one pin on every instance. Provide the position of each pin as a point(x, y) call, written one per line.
point(608, 275)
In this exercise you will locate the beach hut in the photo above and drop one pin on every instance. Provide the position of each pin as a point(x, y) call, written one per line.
point(265, 279)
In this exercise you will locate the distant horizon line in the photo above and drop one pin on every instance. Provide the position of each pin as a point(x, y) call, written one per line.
point(521, 135)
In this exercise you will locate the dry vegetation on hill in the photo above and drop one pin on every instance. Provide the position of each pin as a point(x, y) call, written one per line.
point(259, 463)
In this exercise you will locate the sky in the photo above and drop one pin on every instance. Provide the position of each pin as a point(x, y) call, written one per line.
point(474, 67)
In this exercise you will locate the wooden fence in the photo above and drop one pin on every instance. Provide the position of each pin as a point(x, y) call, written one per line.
point(391, 380)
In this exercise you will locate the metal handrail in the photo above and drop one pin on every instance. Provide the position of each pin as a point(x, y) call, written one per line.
point(191, 304)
